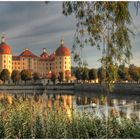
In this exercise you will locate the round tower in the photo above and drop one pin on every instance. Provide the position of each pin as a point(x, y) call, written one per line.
point(5, 56)
point(63, 60)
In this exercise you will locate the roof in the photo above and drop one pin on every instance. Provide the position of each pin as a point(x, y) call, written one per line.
point(62, 50)
point(52, 57)
point(27, 53)
point(44, 55)
point(15, 58)
point(5, 49)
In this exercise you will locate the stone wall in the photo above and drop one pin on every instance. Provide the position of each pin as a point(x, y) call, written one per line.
point(60, 87)
point(119, 87)
point(21, 87)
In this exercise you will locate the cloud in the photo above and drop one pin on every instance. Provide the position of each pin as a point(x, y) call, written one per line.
point(36, 25)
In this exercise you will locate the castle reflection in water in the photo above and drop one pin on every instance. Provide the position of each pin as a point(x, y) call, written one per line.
point(95, 105)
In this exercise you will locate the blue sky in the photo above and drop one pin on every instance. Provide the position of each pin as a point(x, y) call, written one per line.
point(35, 25)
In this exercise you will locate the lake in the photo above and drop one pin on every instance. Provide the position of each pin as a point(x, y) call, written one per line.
point(95, 104)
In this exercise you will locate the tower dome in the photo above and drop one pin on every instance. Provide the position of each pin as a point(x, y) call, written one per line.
point(62, 50)
point(4, 48)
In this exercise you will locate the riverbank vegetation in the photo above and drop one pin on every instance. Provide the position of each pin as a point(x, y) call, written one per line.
point(129, 74)
point(27, 118)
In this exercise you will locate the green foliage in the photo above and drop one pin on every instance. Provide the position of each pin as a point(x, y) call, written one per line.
point(92, 74)
point(15, 76)
point(104, 25)
point(78, 74)
point(101, 74)
point(29, 120)
point(134, 72)
point(85, 75)
point(25, 75)
point(5, 75)
point(36, 76)
point(53, 78)
point(123, 73)
point(61, 76)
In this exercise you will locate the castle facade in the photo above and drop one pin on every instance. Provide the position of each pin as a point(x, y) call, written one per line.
point(45, 64)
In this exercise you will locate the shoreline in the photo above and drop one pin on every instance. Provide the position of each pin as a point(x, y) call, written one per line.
point(120, 88)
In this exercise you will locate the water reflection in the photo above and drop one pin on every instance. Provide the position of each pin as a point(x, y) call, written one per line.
point(93, 104)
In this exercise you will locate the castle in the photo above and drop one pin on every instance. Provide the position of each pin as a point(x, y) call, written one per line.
point(45, 64)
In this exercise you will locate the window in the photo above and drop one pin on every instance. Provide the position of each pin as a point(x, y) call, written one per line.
point(18, 63)
point(4, 61)
point(15, 63)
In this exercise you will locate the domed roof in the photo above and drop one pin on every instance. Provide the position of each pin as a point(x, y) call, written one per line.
point(62, 50)
point(4, 48)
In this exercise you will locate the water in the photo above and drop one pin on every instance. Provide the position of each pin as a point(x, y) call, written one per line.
point(95, 104)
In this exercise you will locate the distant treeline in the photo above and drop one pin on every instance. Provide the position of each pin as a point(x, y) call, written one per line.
point(131, 73)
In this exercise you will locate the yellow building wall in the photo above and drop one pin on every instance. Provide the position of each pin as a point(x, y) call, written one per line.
point(16, 65)
point(63, 63)
point(6, 62)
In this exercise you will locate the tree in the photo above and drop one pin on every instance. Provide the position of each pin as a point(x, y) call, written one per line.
point(5, 75)
point(92, 74)
point(36, 76)
point(85, 74)
point(106, 26)
point(25, 75)
point(101, 74)
point(78, 74)
point(61, 76)
point(134, 72)
point(67, 75)
point(53, 77)
point(15, 76)
point(123, 73)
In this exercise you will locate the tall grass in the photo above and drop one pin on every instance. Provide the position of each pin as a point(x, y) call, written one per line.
point(27, 119)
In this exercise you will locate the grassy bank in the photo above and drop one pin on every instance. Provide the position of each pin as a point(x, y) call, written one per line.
point(29, 119)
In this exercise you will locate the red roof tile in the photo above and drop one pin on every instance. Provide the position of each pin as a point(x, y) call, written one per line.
point(63, 51)
point(27, 53)
point(5, 49)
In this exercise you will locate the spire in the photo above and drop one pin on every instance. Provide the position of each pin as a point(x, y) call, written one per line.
point(44, 50)
point(62, 41)
point(2, 39)
point(26, 49)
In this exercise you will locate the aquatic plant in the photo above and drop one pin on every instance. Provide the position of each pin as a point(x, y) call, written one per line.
point(31, 119)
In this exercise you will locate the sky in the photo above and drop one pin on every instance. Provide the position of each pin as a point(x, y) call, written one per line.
point(36, 25)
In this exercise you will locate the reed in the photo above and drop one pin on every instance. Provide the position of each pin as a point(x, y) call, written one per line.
point(28, 119)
